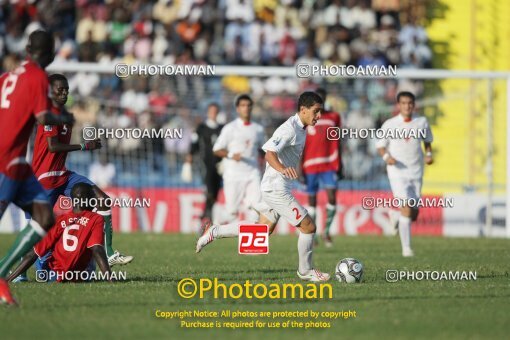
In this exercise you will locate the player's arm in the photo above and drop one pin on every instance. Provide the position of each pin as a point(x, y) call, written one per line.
point(26, 262)
point(194, 148)
point(428, 153)
point(280, 139)
point(274, 162)
point(300, 170)
point(220, 148)
point(386, 156)
point(55, 146)
point(100, 257)
point(382, 145)
point(427, 142)
point(223, 153)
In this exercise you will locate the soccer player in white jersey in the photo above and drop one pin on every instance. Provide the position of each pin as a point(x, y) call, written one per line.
point(240, 142)
point(283, 153)
point(405, 163)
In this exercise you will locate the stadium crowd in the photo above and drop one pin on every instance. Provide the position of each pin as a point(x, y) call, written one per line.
point(220, 32)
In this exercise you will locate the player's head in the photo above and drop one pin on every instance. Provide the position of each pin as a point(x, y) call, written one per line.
point(40, 47)
point(405, 101)
point(244, 105)
point(212, 111)
point(59, 89)
point(82, 193)
point(310, 106)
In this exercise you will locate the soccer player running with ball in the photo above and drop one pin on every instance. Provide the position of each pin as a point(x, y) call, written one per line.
point(322, 165)
point(23, 101)
point(283, 153)
point(240, 142)
point(405, 163)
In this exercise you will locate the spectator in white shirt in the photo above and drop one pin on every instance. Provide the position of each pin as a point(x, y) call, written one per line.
point(102, 172)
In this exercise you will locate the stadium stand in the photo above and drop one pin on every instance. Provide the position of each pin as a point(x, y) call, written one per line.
point(226, 32)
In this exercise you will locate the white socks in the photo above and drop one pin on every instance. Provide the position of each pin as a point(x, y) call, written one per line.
point(404, 229)
point(305, 245)
point(394, 215)
point(229, 230)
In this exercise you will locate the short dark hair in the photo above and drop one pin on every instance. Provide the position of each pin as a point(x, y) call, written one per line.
point(216, 105)
point(309, 99)
point(243, 96)
point(322, 92)
point(84, 192)
point(406, 94)
point(56, 77)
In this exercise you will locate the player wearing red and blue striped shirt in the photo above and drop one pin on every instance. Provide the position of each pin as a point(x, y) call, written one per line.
point(322, 164)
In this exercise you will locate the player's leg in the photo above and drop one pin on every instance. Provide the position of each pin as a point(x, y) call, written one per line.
point(401, 188)
point(23, 277)
point(411, 213)
point(397, 189)
point(215, 189)
point(404, 230)
point(52, 195)
point(29, 195)
point(394, 216)
point(114, 257)
point(212, 183)
point(233, 192)
point(330, 216)
point(312, 186)
point(414, 214)
point(285, 205)
point(312, 206)
point(210, 232)
point(252, 197)
point(415, 192)
point(329, 182)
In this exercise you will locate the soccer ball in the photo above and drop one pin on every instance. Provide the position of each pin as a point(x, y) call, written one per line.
point(349, 270)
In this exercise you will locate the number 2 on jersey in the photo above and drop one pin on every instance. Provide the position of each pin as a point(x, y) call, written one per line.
point(7, 90)
point(298, 215)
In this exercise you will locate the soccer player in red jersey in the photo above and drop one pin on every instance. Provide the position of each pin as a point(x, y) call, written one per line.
point(322, 164)
point(76, 237)
point(50, 152)
point(23, 100)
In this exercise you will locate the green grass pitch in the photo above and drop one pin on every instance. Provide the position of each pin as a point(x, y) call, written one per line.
point(402, 310)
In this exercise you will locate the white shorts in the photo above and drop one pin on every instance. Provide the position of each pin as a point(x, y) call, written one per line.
point(283, 204)
point(406, 188)
point(239, 192)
